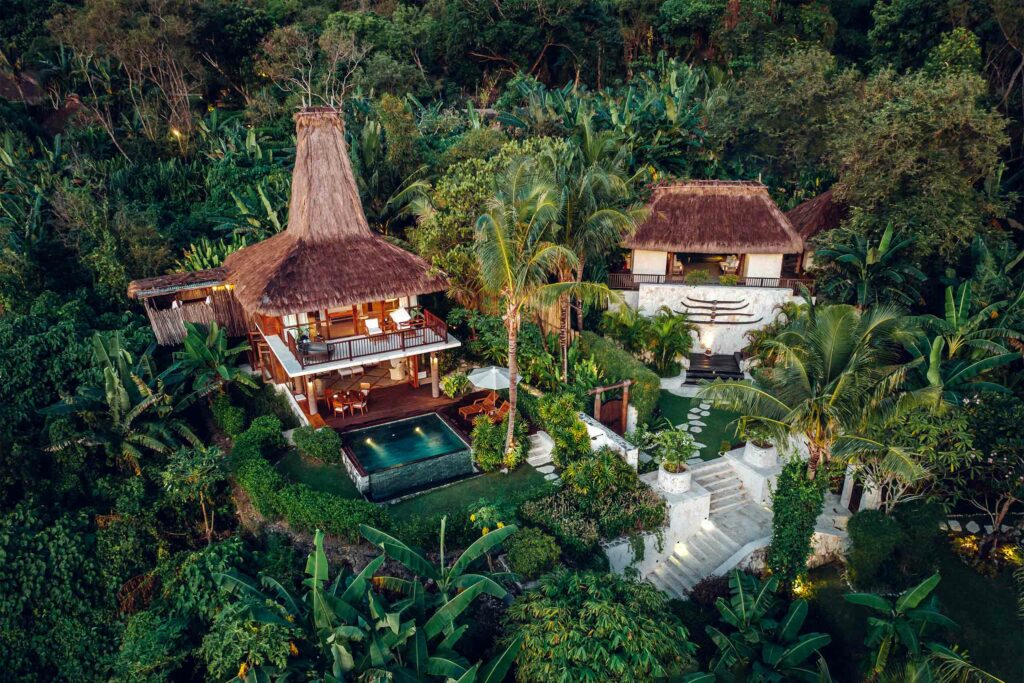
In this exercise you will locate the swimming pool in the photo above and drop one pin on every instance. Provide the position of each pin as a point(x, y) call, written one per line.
point(406, 455)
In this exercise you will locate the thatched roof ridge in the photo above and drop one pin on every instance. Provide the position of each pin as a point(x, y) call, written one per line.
point(328, 256)
point(176, 282)
point(817, 214)
point(715, 217)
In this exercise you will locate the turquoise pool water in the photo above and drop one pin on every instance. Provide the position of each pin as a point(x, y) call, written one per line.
point(402, 442)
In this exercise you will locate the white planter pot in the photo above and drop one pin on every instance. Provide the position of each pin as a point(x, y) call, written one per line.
point(760, 457)
point(674, 482)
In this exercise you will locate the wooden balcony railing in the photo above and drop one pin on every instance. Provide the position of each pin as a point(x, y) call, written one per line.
point(632, 281)
point(424, 330)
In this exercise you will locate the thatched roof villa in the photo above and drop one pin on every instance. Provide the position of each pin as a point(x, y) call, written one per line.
point(714, 227)
point(326, 299)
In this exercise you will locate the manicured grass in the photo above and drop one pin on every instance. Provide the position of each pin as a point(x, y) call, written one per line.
point(718, 429)
point(984, 608)
point(316, 475)
point(494, 487)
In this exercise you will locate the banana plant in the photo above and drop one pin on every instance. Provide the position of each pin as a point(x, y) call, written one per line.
point(130, 413)
point(452, 581)
point(956, 351)
point(900, 623)
point(876, 269)
point(349, 632)
point(761, 645)
point(207, 360)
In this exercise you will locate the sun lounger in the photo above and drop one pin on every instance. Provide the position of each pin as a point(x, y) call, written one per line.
point(401, 317)
point(480, 406)
point(499, 414)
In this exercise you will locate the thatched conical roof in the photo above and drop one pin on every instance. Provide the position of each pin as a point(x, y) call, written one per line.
point(820, 213)
point(327, 257)
point(715, 217)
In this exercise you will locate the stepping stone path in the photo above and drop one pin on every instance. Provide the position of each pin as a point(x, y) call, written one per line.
point(705, 413)
point(943, 526)
point(972, 527)
point(705, 406)
point(954, 525)
point(539, 455)
point(696, 430)
point(694, 424)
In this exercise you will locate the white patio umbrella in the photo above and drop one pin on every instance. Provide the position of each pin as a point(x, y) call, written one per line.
point(491, 377)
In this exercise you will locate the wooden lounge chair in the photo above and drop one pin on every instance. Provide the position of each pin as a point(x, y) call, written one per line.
point(499, 414)
point(373, 327)
point(481, 406)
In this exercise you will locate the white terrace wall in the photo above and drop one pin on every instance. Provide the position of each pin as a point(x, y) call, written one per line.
point(723, 338)
point(763, 265)
point(649, 262)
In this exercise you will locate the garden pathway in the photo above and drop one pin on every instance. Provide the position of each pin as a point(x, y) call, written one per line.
point(539, 455)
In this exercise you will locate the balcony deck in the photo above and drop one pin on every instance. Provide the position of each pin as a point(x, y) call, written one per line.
point(351, 351)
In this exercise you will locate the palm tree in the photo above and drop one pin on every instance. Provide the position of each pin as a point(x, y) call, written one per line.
point(668, 335)
point(594, 211)
point(518, 258)
point(837, 374)
point(868, 272)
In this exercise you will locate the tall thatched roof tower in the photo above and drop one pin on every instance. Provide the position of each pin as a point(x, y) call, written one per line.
point(327, 257)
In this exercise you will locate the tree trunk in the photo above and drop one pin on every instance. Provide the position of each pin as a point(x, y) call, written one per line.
point(579, 279)
point(563, 335)
point(512, 324)
point(207, 526)
point(989, 542)
point(819, 456)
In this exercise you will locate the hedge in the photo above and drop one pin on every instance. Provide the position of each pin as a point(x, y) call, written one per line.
point(304, 509)
point(230, 418)
point(617, 365)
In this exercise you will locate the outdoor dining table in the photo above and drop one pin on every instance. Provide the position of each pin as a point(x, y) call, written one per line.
point(349, 398)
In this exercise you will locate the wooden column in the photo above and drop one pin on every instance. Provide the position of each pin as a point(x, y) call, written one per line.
point(597, 406)
point(310, 394)
point(435, 376)
point(414, 369)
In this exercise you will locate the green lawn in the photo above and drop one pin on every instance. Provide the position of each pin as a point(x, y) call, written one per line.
point(984, 608)
point(317, 475)
point(494, 487)
point(676, 409)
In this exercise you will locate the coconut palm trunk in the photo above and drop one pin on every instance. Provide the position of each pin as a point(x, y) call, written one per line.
point(512, 321)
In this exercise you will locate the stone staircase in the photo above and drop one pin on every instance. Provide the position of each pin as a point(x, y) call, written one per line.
point(539, 455)
point(704, 367)
point(734, 521)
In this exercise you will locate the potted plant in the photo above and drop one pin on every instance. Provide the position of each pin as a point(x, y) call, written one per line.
point(759, 450)
point(672, 448)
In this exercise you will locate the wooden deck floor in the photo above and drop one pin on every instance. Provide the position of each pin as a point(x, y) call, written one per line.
point(397, 402)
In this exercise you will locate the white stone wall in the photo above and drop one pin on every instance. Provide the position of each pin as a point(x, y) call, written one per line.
point(763, 265)
point(649, 262)
point(722, 338)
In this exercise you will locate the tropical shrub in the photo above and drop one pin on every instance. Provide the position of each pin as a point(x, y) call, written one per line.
point(489, 444)
point(697, 277)
point(602, 499)
point(235, 638)
point(670, 447)
point(617, 365)
point(531, 552)
point(874, 536)
point(302, 507)
point(578, 624)
point(454, 385)
point(320, 444)
point(796, 504)
point(708, 590)
point(229, 417)
point(152, 647)
point(729, 279)
point(559, 418)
